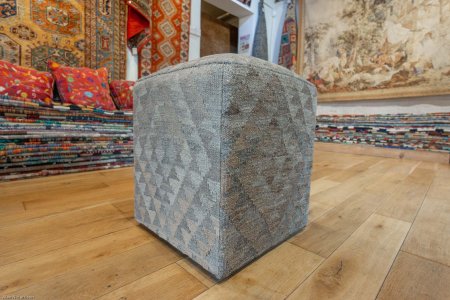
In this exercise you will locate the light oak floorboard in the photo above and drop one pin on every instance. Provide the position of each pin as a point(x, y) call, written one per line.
point(413, 277)
point(357, 269)
point(37, 268)
point(171, 283)
point(328, 232)
point(274, 276)
point(317, 209)
point(430, 234)
point(404, 200)
point(197, 272)
point(46, 234)
point(102, 277)
point(74, 237)
point(321, 185)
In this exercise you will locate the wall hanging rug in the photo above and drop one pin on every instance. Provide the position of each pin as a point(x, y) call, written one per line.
point(106, 36)
point(289, 39)
point(137, 23)
point(402, 131)
point(31, 32)
point(71, 32)
point(167, 43)
point(144, 7)
point(260, 49)
point(39, 141)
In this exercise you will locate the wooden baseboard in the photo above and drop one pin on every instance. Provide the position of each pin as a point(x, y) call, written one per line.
point(438, 157)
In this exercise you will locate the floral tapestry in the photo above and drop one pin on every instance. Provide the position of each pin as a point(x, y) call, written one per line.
point(372, 49)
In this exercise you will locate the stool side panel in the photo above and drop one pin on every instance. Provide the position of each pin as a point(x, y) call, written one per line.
point(177, 160)
point(266, 156)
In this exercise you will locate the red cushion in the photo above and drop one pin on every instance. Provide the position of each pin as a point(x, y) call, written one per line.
point(24, 83)
point(122, 92)
point(82, 86)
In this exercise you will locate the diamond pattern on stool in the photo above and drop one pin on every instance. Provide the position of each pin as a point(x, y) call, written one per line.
point(223, 157)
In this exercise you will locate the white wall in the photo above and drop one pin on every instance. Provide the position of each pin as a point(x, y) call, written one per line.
point(132, 66)
point(417, 105)
point(195, 29)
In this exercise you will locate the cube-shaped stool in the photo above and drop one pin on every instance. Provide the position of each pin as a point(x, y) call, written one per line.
point(223, 157)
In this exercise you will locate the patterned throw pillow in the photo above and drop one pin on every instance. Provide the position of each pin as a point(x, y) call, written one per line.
point(122, 92)
point(82, 86)
point(25, 84)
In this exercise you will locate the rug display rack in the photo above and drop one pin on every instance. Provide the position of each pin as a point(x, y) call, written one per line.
point(39, 141)
point(429, 132)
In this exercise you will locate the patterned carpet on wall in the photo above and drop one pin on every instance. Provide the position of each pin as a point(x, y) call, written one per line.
point(72, 32)
point(167, 43)
point(38, 141)
point(288, 46)
point(31, 32)
point(402, 131)
point(144, 7)
point(106, 36)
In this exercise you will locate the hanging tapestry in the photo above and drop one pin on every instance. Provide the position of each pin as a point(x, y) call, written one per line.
point(288, 48)
point(32, 32)
point(106, 36)
point(168, 41)
point(377, 49)
point(260, 49)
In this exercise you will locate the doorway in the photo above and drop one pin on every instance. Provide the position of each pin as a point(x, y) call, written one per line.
point(219, 31)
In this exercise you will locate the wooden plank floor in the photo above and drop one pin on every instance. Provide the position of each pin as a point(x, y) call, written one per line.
point(379, 229)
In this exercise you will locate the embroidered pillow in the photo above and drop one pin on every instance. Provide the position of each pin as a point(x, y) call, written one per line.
point(82, 86)
point(25, 84)
point(122, 93)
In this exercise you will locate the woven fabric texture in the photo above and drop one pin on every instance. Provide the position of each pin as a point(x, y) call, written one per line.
point(83, 86)
point(39, 141)
point(223, 157)
point(422, 132)
point(25, 83)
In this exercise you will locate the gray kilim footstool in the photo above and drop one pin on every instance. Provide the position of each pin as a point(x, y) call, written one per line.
point(223, 156)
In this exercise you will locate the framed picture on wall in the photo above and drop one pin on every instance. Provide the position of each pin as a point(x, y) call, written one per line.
point(356, 50)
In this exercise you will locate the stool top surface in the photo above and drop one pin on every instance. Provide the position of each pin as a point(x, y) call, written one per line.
point(228, 59)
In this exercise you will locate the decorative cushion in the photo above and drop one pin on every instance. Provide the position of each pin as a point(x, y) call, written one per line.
point(82, 86)
point(25, 83)
point(122, 93)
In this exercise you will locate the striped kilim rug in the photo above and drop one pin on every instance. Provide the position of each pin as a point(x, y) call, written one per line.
point(402, 131)
point(39, 141)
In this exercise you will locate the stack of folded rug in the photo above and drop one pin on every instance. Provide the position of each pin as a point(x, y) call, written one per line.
point(36, 140)
point(403, 131)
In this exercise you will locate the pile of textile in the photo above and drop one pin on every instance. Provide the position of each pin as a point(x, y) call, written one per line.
point(403, 131)
point(39, 141)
